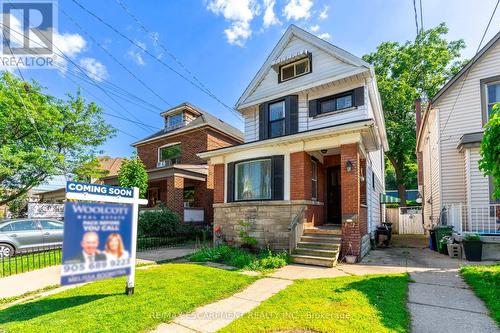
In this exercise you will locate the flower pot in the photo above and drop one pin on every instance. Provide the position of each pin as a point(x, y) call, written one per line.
point(473, 250)
point(350, 259)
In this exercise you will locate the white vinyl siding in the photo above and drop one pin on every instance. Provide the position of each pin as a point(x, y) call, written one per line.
point(376, 165)
point(324, 66)
point(478, 184)
point(465, 118)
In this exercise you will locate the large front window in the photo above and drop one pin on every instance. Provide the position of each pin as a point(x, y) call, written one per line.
point(277, 119)
point(253, 180)
point(169, 155)
point(493, 94)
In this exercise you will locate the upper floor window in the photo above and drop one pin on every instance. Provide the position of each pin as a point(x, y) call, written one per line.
point(175, 120)
point(295, 69)
point(493, 95)
point(277, 119)
point(337, 102)
point(169, 155)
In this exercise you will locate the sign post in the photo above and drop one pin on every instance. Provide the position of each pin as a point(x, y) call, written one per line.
point(98, 235)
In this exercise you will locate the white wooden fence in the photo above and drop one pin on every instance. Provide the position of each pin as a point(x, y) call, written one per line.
point(405, 220)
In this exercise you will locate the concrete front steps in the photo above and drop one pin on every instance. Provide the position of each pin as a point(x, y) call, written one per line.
point(318, 246)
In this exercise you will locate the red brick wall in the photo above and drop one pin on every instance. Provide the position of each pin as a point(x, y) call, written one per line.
point(351, 233)
point(300, 176)
point(219, 185)
point(175, 195)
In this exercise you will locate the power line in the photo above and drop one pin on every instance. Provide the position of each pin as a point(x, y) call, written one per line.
point(93, 81)
point(468, 70)
point(416, 18)
point(421, 17)
point(154, 57)
point(114, 58)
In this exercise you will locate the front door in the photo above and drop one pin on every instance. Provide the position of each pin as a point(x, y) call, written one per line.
point(333, 190)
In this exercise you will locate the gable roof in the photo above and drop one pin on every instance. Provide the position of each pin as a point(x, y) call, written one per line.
point(292, 31)
point(466, 68)
point(112, 164)
point(203, 119)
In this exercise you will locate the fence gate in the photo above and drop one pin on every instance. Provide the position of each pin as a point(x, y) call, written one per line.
point(410, 221)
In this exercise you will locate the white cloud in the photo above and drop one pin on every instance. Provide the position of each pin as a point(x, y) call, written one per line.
point(298, 9)
point(240, 13)
point(94, 68)
point(135, 53)
point(324, 13)
point(269, 15)
point(324, 35)
point(69, 44)
point(314, 28)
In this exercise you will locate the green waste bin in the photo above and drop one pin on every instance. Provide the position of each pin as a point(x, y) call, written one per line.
point(441, 231)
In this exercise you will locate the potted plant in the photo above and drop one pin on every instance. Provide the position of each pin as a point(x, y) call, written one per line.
point(247, 242)
point(350, 258)
point(473, 247)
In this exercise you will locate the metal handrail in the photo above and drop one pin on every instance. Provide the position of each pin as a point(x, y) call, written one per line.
point(296, 229)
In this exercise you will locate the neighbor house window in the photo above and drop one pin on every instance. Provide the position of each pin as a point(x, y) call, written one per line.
point(314, 180)
point(175, 120)
point(170, 154)
point(277, 119)
point(336, 102)
point(493, 95)
point(295, 69)
point(253, 180)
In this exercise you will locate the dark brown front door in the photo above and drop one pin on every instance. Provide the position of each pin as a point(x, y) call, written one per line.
point(333, 191)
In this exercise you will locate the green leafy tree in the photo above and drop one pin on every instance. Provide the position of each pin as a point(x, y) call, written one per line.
point(404, 73)
point(19, 206)
point(133, 173)
point(42, 136)
point(89, 171)
point(489, 164)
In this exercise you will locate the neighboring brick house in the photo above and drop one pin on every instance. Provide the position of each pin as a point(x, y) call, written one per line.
point(178, 178)
point(309, 176)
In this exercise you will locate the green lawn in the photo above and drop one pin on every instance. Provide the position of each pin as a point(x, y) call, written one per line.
point(485, 281)
point(374, 303)
point(29, 262)
point(161, 294)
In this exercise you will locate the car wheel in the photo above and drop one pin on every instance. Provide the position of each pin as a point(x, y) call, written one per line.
point(6, 251)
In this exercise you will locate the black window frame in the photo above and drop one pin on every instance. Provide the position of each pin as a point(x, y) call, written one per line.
point(309, 60)
point(277, 179)
point(280, 120)
point(334, 98)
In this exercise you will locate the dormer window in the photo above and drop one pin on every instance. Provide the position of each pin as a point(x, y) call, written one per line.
point(175, 120)
point(295, 69)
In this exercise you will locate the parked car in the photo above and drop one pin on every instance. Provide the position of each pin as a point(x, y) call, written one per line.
point(22, 235)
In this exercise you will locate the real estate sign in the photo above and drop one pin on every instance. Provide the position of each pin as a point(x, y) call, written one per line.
point(100, 233)
point(97, 241)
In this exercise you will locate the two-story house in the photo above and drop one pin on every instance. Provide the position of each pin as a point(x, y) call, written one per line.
point(177, 177)
point(454, 190)
point(311, 170)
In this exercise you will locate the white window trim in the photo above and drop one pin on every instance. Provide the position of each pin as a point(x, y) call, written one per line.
point(165, 146)
point(486, 85)
point(294, 64)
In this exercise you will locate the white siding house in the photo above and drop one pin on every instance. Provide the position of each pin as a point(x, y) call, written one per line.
point(449, 140)
point(313, 152)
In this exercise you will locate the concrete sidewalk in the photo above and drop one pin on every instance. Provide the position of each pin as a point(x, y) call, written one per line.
point(440, 301)
point(19, 284)
point(212, 317)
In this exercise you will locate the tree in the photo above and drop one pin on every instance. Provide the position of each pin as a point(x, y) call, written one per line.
point(133, 173)
point(404, 73)
point(489, 163)
point(89, 171)
point(42, 136)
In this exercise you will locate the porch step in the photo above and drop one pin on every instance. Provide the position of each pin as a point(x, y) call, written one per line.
point(313, 260)
point(316, 252)
point(317, 245)
point(321, 239)
point(330, 230)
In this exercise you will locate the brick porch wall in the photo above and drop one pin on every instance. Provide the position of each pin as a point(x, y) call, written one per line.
point(219, 184)
point(354, 230)
point(175, 195)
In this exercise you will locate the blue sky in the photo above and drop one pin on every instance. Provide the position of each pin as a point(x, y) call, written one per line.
point(223, 43)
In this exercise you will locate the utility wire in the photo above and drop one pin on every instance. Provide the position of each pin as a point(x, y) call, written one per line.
point(416, 18)
point(468, 70)
point(421, 17)
point(142, 48)
point(93, 81)
point(114, 58)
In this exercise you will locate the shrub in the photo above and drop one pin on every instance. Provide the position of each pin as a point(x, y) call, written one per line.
point(159, 223)
point(240, 258)
point(472, 238)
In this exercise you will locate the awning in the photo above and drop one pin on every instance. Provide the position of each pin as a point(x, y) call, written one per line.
point(385, 199)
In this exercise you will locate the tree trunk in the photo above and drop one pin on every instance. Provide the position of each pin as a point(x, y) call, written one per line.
point(399, 181)
point(402, 194)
